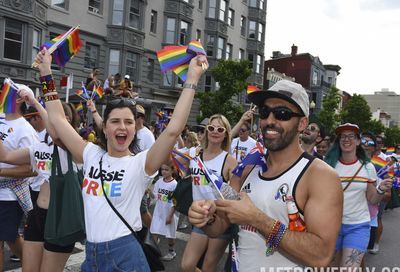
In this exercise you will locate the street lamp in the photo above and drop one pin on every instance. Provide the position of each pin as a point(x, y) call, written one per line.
point(312, 106)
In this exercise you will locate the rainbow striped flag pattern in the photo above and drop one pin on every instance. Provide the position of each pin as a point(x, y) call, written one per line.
point(66, 46)
point(79, 108)
point(389, 150)
point(378, 162)
point(97, 92)
point(8, 96)
point(83, 93)
point(252, 89)
point(177, 58)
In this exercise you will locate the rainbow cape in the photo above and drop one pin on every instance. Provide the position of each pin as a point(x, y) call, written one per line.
point(177, 58)
point(252, 89)
point(65, 47)
point(8, 96)
point(97, 92)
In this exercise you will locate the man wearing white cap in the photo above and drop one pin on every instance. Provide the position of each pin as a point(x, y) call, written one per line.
point(15, 133)
point(265, 239)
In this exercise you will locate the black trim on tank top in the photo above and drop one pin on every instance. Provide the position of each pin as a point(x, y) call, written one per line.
point(278, 176)
point(223, 164)
point(310, 160)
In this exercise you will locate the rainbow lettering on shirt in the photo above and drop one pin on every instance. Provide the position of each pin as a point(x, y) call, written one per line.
point(44, 165)
point(199, 180)
point(112, 182)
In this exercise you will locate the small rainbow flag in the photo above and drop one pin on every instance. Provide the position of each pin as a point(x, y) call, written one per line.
point(8, 96)
point(79, 108)
point(65, 46)
point(390, 150)
point(177, 58)
point(252, 89)
point(97, 92)
point(378, 162)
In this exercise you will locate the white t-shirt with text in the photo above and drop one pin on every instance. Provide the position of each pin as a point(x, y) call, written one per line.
point(146, 138)
point(239, 149)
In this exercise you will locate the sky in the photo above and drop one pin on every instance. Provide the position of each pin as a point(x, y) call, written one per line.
point(361, 36)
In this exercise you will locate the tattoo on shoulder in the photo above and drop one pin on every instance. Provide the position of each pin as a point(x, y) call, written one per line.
point(355, 257)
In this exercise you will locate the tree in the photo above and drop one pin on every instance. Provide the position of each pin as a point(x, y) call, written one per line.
point(375, 126)
point(231, 76)
point(357, 112)
point(328, 116)
point(392, 136)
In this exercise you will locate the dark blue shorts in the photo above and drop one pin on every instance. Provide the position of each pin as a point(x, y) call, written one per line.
point(10, 219)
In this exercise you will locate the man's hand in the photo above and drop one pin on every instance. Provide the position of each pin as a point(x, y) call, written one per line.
point(200, 212)
point(242, 212)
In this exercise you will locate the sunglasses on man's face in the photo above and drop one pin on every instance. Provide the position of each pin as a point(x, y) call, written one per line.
point(367, 142)
point(312, 128)
point(211, 128)
point(280, 113)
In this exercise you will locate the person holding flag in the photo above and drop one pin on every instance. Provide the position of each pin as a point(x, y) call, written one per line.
point(261, 212)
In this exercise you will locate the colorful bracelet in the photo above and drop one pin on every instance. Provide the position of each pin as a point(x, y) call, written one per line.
point(49, 98)
point(275, 237)
point(48, 85)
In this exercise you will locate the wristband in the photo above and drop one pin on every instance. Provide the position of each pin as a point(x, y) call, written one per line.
point(379, 190)
point(94, 111)
point(52, 93)
point(51, 98)
point(47, 84)
point(275, 237)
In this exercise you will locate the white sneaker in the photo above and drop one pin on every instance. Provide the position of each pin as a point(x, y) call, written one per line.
point(182, 226)
point(169, 257)
point(375, 250)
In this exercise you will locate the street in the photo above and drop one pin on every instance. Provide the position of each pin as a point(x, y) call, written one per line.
point(388, 256)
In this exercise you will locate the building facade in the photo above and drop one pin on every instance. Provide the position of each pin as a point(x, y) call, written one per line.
point(122, 36)
point(385, 101)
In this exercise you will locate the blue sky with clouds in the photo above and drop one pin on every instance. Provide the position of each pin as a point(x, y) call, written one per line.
point(362, 36)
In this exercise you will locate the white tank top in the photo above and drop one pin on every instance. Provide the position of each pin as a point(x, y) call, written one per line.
point(200, 186)
point(268, 195)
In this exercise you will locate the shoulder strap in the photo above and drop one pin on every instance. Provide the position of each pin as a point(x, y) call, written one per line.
point(237, 149)
point(112, 206)
point(350, 181)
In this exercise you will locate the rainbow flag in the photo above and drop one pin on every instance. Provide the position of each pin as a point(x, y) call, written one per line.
point(97, 92)
point(252, 89)
point(79, 108)
point(378, 162)
point(8, 96)
point(177, 58)
point(66, 46)
point(390, 150)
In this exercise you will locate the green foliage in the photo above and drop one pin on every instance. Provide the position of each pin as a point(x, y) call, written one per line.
point(328, 116)
point(232, 76)
point(392, 136)
point(357, 112)
point(375, 126)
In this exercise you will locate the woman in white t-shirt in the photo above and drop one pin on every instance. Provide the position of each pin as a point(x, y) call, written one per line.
point(110, 244)
point(38, 254)
point(358, 177)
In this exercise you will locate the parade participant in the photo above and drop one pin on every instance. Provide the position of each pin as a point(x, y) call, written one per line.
point(38, 254)
point(217, 159)
point(242, 145)
point(323, 146)
point(165, 221)
point(261, 212)
point(358, 177)
point(36, 121)
point(16, 133)
point(125, 176)
point(310, 138)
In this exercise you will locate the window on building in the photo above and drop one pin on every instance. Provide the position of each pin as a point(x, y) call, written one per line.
point(132, 65)
point(113, 65)
point(36, 42)
point(153, 21)
point(198, 34)
point(330, 79)
point(210, 45)
point(60, 3)
point(243, 26)
point(200, 4)
point(183, 33)
point(167, 78)
point(250, 57)
point(252, 29)
point(91, 55)
point(13, 40)
point(212, 6)
point(187, 1)
point(315, 78)
point(134, 14)
point(170, 33)
point(222, 10)
point(260, 32)
point(220, 49)
point(253, 3)
point(228, 53)
point(118, 12)
point(241, 54)
point(208, 84)
point(217, 86)
point(150, 69)
point(261, 4)
point(259, 64)
point(95, 6)
point(231, 17)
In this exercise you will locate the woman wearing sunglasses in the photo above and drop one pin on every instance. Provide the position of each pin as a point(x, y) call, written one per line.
point(359, 183)
point(216, 158)
point(110, 244)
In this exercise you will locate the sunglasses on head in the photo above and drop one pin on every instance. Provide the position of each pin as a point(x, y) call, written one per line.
point(243, 130)
point(312, 128)
point(211, 128)
point(122, 101)
point(367, 142)
point(280, 113)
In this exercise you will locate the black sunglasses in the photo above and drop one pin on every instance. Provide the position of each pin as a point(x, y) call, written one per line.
point(280, 113)
point(122, 101)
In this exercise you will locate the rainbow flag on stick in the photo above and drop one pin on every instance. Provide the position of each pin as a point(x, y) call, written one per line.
point(64, 47)
point(8, 96)
point(177, 58)
point(79, 108)
point(390, 150)
point(252, 89)
point(97, 92)
point(378, 162)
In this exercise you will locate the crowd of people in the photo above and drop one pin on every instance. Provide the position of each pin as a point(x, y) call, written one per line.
point(334, 186)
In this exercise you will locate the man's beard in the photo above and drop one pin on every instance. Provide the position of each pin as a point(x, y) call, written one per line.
point(308, 139)
point(286, 137)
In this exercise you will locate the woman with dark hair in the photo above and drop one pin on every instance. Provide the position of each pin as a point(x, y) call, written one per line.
point(112, 171)
point(358, 177)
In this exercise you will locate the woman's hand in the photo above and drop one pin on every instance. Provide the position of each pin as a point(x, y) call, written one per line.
point(90, 104)
point(43, 59)
point(198, 65)
point(201, 212)
point(28, 97)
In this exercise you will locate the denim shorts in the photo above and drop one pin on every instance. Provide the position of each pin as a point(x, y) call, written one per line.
point(224, 236)
point(122, 254)
point(354, 236)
